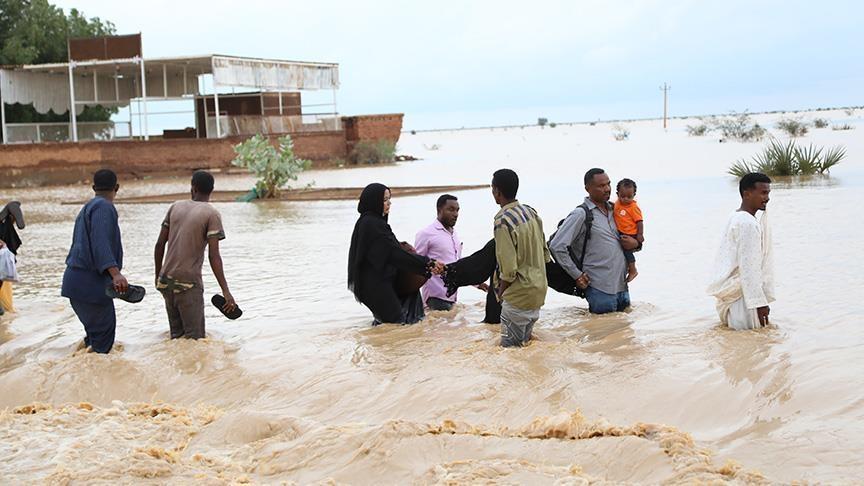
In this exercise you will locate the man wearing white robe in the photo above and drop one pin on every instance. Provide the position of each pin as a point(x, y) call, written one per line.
point(743, 281)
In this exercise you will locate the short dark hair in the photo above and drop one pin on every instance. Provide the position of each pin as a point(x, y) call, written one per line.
point(442, 200)
point(625, 182)
point(589, 176)
point(750, 180)
point(104, 180)
point(507, 182)
point(202, 181)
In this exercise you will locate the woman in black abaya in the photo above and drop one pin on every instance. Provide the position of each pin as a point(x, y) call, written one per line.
point(376, 257)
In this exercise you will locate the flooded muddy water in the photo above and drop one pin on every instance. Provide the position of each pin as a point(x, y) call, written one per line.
point(302, 389)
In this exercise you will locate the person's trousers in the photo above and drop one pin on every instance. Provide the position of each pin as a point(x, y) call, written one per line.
point(517, 325)
point(739, 317)
point(100, 324)
point(437, 304)
point(602, 303)
point(185, 312)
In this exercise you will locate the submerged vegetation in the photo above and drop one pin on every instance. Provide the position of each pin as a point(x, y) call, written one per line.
point(793, 127)
point(273, 166)
point(620, 133)
point(820, 123)
point(735, 126)
point(789, 159)
point(373, 152)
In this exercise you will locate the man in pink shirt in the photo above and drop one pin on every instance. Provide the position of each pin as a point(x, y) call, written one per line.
point(440, 242)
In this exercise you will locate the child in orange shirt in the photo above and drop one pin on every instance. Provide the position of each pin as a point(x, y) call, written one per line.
point(628, 218)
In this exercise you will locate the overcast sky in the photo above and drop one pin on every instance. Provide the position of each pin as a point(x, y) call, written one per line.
point(468, 63)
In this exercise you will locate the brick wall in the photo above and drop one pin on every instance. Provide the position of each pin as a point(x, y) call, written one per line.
point(63, 163)
point(67, 162)
point(372, 127)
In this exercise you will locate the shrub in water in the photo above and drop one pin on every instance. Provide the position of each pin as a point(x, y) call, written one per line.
point(620, 133)
point(697, 130)
point(820, 123)
point(273, 166)
point(794, 128)
point(778, 159)
point(844, 126)
point(373, 152)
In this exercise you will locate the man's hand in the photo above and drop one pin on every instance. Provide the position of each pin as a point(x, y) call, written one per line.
point(502, 287)
point(583, 281)
point(119, 282)
point(483, 286)
point(230, 304)
point(437, 267)
point(629, 243)
point(762, 315)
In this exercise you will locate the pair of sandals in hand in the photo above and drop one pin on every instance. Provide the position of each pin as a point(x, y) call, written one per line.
point(135, 294)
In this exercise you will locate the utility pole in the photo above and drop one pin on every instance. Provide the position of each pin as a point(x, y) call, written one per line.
point(665, 89)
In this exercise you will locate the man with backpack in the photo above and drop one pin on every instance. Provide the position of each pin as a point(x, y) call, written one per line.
point(588, 248)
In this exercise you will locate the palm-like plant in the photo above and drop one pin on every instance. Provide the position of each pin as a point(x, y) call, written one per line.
point(779, 159)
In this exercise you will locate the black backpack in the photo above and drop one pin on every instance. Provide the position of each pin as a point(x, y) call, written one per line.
point(557, 277)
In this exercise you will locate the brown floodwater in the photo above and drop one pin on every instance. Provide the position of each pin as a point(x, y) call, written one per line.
point(302, 389)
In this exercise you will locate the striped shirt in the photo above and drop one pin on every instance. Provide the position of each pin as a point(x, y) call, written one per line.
point(521, 252)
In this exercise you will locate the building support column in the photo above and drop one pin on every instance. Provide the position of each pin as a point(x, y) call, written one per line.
point(144, 98)
point(73, 118)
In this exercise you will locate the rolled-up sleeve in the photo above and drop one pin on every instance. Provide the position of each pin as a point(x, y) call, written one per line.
point(564, 238)
point(505, 252)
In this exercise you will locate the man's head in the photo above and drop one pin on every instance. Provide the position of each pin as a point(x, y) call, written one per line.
point(105, 183)
point(448, 210)
point(202, 184)
point(597, 185)
point(505, 185)
point(754, 189)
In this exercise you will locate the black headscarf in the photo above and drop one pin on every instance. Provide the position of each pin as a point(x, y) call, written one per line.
point(370, 226)
point(7, 227)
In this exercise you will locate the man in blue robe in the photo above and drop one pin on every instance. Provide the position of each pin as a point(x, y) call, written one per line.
point(94, 263)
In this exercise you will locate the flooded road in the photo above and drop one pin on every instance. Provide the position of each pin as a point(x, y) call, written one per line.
point(303, 389)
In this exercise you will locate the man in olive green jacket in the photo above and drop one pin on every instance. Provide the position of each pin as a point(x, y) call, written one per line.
point(521, 252)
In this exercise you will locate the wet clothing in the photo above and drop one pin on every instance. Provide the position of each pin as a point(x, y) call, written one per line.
point(436, 304)
point(100, 324)
point(438, 243)
point(604, 260)
point(517, 325)
point(627, 216)
point(521, 253)
point(96, 247)
point(185, 312)
point(374, 259)
point(8, 234)
point(191, 225)
point(743, 271)
point(600, 302)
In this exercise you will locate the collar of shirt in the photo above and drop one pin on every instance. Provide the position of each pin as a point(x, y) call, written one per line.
point(437, 224)
point(506, 207)
point(592, 205)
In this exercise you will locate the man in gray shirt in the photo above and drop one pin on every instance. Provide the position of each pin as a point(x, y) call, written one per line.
point(602, 270)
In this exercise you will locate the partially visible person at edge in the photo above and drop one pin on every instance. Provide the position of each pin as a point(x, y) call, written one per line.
point(189, 227)
point(521, 254)
point(602, 272)
point(376, 256)
point(94, 264)
point(10, 217)
point(743, 283)
point(440, 242)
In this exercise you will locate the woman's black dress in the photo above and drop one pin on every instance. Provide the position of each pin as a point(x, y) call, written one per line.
point(374, 260)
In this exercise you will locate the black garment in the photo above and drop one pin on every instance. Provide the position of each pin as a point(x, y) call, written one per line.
point(479, 267)
point(375, 257)
point(7, 227)
point(474, 270)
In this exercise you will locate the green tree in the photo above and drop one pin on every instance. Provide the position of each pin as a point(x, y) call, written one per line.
point(36, 32)
point(273, 167)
